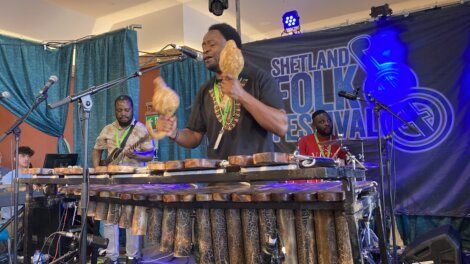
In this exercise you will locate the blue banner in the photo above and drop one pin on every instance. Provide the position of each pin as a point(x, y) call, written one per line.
point(418, 66)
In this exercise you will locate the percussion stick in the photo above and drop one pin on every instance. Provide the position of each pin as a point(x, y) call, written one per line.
point(350, 155)
point(336, 153)
point(357, 161)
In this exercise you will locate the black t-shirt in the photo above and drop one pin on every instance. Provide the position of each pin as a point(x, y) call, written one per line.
point(248, 137)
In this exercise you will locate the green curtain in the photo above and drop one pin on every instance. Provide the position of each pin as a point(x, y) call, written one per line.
point(185, 78)
point(25, 67)
point(99, 60)
point(411, 226)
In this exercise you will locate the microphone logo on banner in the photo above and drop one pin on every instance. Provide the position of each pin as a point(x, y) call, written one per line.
point(194, 54)
point(414, 103)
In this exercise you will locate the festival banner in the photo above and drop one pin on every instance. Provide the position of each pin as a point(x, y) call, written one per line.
point(418, 66)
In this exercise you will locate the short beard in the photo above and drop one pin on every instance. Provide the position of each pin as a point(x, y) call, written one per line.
point(125, 124)
point(214, 68)
point(324, 134)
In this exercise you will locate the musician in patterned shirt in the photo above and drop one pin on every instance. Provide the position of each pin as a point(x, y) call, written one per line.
point(109, 139)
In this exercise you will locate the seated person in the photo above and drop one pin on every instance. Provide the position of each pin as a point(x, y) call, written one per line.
point(24, 162)
point(323, 131)
point(3, 170)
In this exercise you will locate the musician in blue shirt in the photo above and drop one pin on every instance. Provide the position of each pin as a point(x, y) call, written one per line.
point(24, 161)
point(3, 170)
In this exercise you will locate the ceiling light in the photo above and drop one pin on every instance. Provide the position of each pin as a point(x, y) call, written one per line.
point(291, 22)
point(382, 11)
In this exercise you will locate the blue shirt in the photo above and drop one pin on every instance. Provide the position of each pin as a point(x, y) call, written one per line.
point(4, 171)
point(7, 212)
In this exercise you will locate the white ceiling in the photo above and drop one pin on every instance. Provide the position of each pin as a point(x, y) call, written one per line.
point(182, 22)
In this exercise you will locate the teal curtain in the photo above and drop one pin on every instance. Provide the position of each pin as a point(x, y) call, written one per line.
point(411, 226)
point(25, 67)
point(99, 60)
point(185, 78)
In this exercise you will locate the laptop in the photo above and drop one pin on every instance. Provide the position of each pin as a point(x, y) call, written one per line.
point(55, 160)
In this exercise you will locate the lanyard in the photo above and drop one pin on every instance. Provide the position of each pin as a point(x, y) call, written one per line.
point(116, 135)
point(321, 147)
point(226, 110)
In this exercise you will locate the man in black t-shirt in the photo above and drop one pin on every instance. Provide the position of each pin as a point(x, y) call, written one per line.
point(243, 126)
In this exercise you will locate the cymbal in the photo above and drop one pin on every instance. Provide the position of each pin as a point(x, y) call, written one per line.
point(340, 141)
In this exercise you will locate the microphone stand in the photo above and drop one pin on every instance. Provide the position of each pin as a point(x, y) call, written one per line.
point(85, 104)
point(15, 129)
point(377, 108)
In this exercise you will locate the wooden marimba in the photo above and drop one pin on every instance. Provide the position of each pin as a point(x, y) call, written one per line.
point(237, 222)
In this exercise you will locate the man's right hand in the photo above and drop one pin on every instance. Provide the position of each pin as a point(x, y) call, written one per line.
point(167, 125)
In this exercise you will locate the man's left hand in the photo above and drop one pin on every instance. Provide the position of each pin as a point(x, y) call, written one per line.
point(131, 154)
point(232, 87)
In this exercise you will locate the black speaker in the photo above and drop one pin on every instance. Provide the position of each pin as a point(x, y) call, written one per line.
point(440, 245)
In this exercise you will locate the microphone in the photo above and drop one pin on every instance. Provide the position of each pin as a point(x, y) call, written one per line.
point(350, 96)
point(91, 240)
point(4, 94)
point(188, 52)
point(48, 84)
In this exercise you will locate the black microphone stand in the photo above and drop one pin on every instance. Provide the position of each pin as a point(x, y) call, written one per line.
point(85, 105)
point(15, 129)
point(377, 108)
